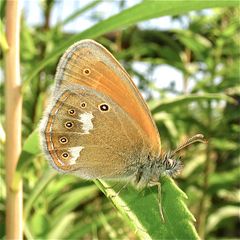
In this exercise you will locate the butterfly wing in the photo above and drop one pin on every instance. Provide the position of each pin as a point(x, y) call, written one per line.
point(87, 133)
point(87, 63)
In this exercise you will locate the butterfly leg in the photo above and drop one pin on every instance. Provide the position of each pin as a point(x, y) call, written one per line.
point(113, 186)
point(160, 201)
point(117, 192)
point(159, 197)
point(124, 186)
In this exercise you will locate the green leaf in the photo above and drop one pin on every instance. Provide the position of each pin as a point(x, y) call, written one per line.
point(78, 12)
point(39, 223)
point(185, 99)
point(197, 43)
point(222, 213)
point(31, 148)
point(225, 144)
point(141, 210)
point(40, 186)
point(140, 12)
point(223, 180)
point(3, 40)
point(81, 230)
point(71, 200)
point(59, 230)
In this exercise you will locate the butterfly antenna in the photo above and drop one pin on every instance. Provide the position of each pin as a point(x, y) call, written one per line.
point(195, 138)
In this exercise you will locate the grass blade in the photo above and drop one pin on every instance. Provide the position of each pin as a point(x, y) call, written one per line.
point(140, 12)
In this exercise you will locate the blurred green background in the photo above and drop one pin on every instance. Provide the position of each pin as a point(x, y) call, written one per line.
point(186, 65)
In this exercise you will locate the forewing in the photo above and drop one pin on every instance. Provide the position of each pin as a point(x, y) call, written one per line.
point(89, 64)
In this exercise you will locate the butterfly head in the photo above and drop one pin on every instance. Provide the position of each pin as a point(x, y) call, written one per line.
point(170, 161)
point(171, 164)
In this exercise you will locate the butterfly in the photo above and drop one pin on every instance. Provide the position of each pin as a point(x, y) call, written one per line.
point(98, 126)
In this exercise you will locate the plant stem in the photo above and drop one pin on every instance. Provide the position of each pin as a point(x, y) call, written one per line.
point(13, 121)
point(205, 201)
point(187, 61)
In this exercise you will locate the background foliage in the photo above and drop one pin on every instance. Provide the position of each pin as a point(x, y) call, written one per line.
point(207, 54)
